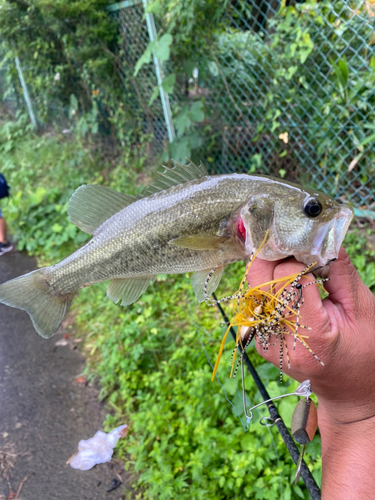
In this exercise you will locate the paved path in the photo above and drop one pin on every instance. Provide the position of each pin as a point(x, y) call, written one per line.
point(43, 412)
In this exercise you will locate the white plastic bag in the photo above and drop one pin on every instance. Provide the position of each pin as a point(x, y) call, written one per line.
point(98, 449)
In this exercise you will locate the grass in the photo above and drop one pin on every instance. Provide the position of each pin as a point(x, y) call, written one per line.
point(186, 440)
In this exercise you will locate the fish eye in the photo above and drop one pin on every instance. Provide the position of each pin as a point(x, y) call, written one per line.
point(312, 208)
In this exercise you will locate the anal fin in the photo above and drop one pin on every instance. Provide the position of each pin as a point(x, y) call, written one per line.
point(128, 290)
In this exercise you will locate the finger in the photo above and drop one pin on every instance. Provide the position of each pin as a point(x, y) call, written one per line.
point(312, 315)
point(261, 271)
point(348, 297)
point(310, 293)
point(344, 279)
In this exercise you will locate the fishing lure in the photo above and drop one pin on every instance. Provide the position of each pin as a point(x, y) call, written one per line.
point(267, 311)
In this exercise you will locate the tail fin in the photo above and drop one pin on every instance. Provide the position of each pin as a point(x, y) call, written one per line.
point(33, 294)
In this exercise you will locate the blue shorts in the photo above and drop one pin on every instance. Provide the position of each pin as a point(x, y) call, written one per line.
point(1, 214)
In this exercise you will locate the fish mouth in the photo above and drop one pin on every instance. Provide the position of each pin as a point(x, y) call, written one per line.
point(329, 237)
point(325, 240)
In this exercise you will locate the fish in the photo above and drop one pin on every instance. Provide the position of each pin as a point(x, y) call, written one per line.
point(186, 221)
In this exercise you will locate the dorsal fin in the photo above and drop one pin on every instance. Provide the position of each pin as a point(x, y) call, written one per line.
point(91, 205)
point(179, 174)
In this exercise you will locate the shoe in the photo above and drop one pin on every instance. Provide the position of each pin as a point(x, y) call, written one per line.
point(5, 247)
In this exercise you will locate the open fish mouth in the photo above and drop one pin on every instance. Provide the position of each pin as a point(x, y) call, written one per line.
point(324, 240)
point(329, 237)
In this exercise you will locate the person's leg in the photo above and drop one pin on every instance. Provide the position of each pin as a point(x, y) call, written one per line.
point(5, 246)
point(3, 230)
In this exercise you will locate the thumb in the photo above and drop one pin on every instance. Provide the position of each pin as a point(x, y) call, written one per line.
point(261, 271)
point(344, 280)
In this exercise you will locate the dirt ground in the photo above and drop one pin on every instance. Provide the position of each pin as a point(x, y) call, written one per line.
point(45, 411)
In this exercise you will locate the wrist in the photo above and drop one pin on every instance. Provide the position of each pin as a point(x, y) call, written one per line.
point(348, 413)
point(349, 427)
point(348, 456)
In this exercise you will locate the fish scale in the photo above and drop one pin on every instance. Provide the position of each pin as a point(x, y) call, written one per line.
point(197, 223)
point(153, 218)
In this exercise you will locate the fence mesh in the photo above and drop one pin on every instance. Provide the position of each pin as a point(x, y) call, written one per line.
point(290, 92)
point(288, 88)
point(134, 40)
point(10, 89)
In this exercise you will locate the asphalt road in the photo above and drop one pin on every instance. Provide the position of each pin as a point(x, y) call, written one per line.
point(43, 411)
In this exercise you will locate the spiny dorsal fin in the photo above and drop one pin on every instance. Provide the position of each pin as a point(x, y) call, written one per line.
point(91, 205)
point(179, 174)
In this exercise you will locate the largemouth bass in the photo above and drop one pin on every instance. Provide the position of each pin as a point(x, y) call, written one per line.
point(187, 221)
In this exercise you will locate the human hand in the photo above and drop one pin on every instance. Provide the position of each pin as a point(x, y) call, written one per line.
point(342, 335)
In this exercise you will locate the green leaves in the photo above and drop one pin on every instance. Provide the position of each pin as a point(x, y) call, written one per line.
point(188, 115)
point(167, 85)
point(357, 243)
point(305, 47)
point(342, 73)
point(369, 139)
point(161, 49)
point(188, 138)
point(196, 113)
point(213, 68)
point(36, 197)
point(144, 59)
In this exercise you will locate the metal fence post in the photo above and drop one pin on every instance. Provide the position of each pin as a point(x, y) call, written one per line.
point(159, 75)
point(26, 93)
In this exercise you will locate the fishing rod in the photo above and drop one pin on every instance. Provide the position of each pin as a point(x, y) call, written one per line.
point(306, 475)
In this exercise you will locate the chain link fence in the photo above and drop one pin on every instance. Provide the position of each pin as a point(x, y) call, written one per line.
point(290, 92)
point(16, 98)
point(134, 36)
point(11, 97)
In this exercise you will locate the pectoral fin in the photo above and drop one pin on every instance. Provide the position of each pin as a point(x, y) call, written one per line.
point(198, 281)
point(128, 290)
point(200, 242)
